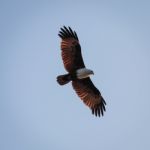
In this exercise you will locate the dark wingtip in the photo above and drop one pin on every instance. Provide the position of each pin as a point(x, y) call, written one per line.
point(60, 35)
point(65, 33)
point(99, 109)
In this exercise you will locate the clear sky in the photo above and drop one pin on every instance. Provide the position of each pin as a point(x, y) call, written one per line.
point(38, 114)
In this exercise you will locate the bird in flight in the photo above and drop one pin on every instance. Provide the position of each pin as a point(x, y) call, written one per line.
point(78, 74)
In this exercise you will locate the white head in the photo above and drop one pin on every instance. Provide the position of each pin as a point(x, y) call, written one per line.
point(84, 73)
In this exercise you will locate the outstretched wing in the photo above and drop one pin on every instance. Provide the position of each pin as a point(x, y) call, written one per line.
point(90, 95)
point(71, 50)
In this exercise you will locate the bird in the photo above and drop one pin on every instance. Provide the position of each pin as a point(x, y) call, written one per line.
point(77, 73)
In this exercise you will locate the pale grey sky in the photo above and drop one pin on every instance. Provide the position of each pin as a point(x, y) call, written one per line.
point(38, 114)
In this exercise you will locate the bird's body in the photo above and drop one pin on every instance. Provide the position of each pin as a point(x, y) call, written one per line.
point(78, 74)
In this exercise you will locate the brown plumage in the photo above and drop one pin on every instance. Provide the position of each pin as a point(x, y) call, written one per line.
point(73, 61)
point(71, 50)
point(90, 95)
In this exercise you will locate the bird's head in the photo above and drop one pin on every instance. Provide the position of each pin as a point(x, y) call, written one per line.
point(84, 73)
point(91, 72)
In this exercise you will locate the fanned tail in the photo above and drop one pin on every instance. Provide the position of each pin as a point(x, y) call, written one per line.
point(63, 79)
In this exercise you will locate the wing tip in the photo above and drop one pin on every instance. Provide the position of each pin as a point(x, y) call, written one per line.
point(65, 33)
point(99, 109)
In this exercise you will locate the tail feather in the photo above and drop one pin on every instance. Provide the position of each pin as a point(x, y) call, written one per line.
point(63, 79)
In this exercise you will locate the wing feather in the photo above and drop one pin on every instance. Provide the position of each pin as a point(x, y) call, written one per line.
point(90, 95)
point(71, 50)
